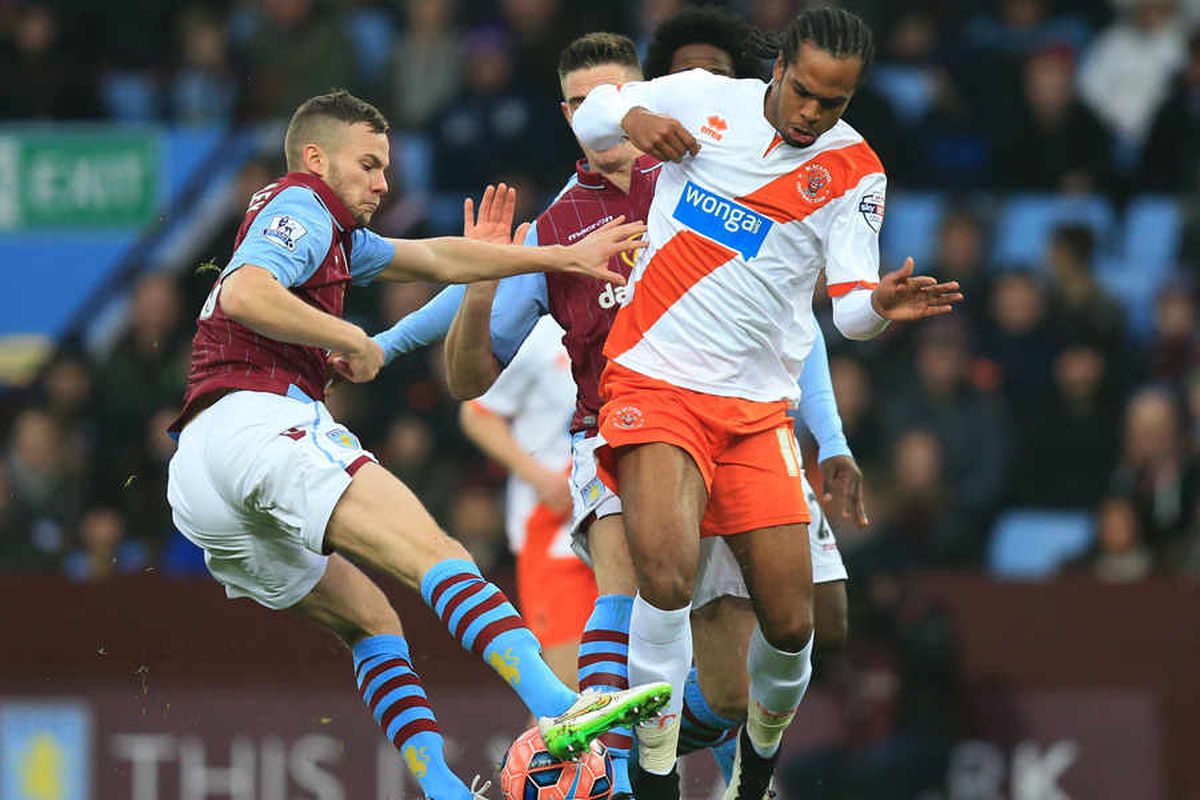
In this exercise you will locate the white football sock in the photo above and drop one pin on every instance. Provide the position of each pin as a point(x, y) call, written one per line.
point(778, 681)
point(660, 649)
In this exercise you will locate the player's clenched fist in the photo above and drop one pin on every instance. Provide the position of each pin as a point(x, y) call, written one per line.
point(658, 135)
point(361, 364)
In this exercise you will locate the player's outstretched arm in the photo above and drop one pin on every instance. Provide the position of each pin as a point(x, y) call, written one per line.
point(493, 434)
point(251, 296)
point(459, 260)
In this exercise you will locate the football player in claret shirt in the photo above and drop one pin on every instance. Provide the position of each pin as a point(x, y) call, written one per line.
point(275, 491)
point(765, 188)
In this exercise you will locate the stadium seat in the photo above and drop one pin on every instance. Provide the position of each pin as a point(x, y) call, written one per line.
point(1153, 230)
point(1026, 221)
point(910, 228)
point(1033, 543)
point(129, 96)
point(1134, 289)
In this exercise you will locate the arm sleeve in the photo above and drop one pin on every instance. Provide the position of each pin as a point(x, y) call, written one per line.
point(597, 122)
point(520, 302)
point(289, 238)
point(852, 258)
point(426, 325)
point(818, 407)
point(369, 254)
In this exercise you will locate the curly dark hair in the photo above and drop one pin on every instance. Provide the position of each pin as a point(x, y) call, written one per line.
point(705, 24)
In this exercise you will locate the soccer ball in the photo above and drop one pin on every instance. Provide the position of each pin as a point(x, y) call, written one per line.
point(529, 772)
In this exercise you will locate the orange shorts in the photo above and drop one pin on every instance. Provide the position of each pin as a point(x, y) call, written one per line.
point(556, 593)
point(746, 450)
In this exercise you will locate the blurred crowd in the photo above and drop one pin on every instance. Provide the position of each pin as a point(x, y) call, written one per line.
point(1041, 396)
point(1038, 394)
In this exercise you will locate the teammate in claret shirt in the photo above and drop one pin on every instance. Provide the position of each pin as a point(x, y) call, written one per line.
point(765, 188)
point(274, 490)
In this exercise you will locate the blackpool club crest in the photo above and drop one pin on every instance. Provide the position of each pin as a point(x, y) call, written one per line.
point(814, 183)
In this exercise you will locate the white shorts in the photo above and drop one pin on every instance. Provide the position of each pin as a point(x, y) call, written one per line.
point(718, 573)
point(591, 499)
point(253, 483)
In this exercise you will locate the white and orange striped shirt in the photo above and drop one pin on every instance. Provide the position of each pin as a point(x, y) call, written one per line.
point(738, 234)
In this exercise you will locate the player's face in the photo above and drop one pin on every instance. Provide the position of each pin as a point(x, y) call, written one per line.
point(702, 56)
point(576, 86)
point(810, 95)
point(356, 170)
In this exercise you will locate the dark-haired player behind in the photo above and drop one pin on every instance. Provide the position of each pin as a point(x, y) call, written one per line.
point(275, 491)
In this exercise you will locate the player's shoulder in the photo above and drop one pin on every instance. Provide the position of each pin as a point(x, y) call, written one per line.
point(295, 219)
point(843, 144)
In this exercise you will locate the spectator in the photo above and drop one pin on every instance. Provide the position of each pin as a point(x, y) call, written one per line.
point(969, 424)
point(477, 520)
point(1070, 448)
point(1022, 27)
point(1057, 143)
point(203, 88)
point(408, 451)
point(45, 486)
point(1021, 341)
point(295, 52)
point(1173, 351)
point(1171, 158)
point(1081, 309)
point(960, 256)
point(1126, 75)
point(852, 391)
point(41, 79)
point(1119, 555)
point(491, 109)
point(147, 368)
point(427, 63)
point(1157, 472)
point(917, 522)
point(104, 550)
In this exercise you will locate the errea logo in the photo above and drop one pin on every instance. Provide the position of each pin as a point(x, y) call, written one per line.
point(715, 127)
point(613, 296)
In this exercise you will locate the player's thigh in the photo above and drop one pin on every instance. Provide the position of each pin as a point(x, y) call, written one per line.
point(720, 639)
point(611, 561)
point(349, 603)
point(662, 494)
point(379, 521)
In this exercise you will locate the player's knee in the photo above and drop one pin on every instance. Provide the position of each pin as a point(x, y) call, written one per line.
point(788, 632)
point(666, 586)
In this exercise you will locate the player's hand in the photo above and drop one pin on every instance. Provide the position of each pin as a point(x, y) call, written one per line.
point(359, 365)
point(844, 489)
point(591, 254)
point(901, 295)
point(553, 490)
point(658, 135)
point(494, 221)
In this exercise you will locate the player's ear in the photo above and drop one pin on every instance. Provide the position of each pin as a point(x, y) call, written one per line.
point(777, 69)
point(314, 159)
point(566, 112)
